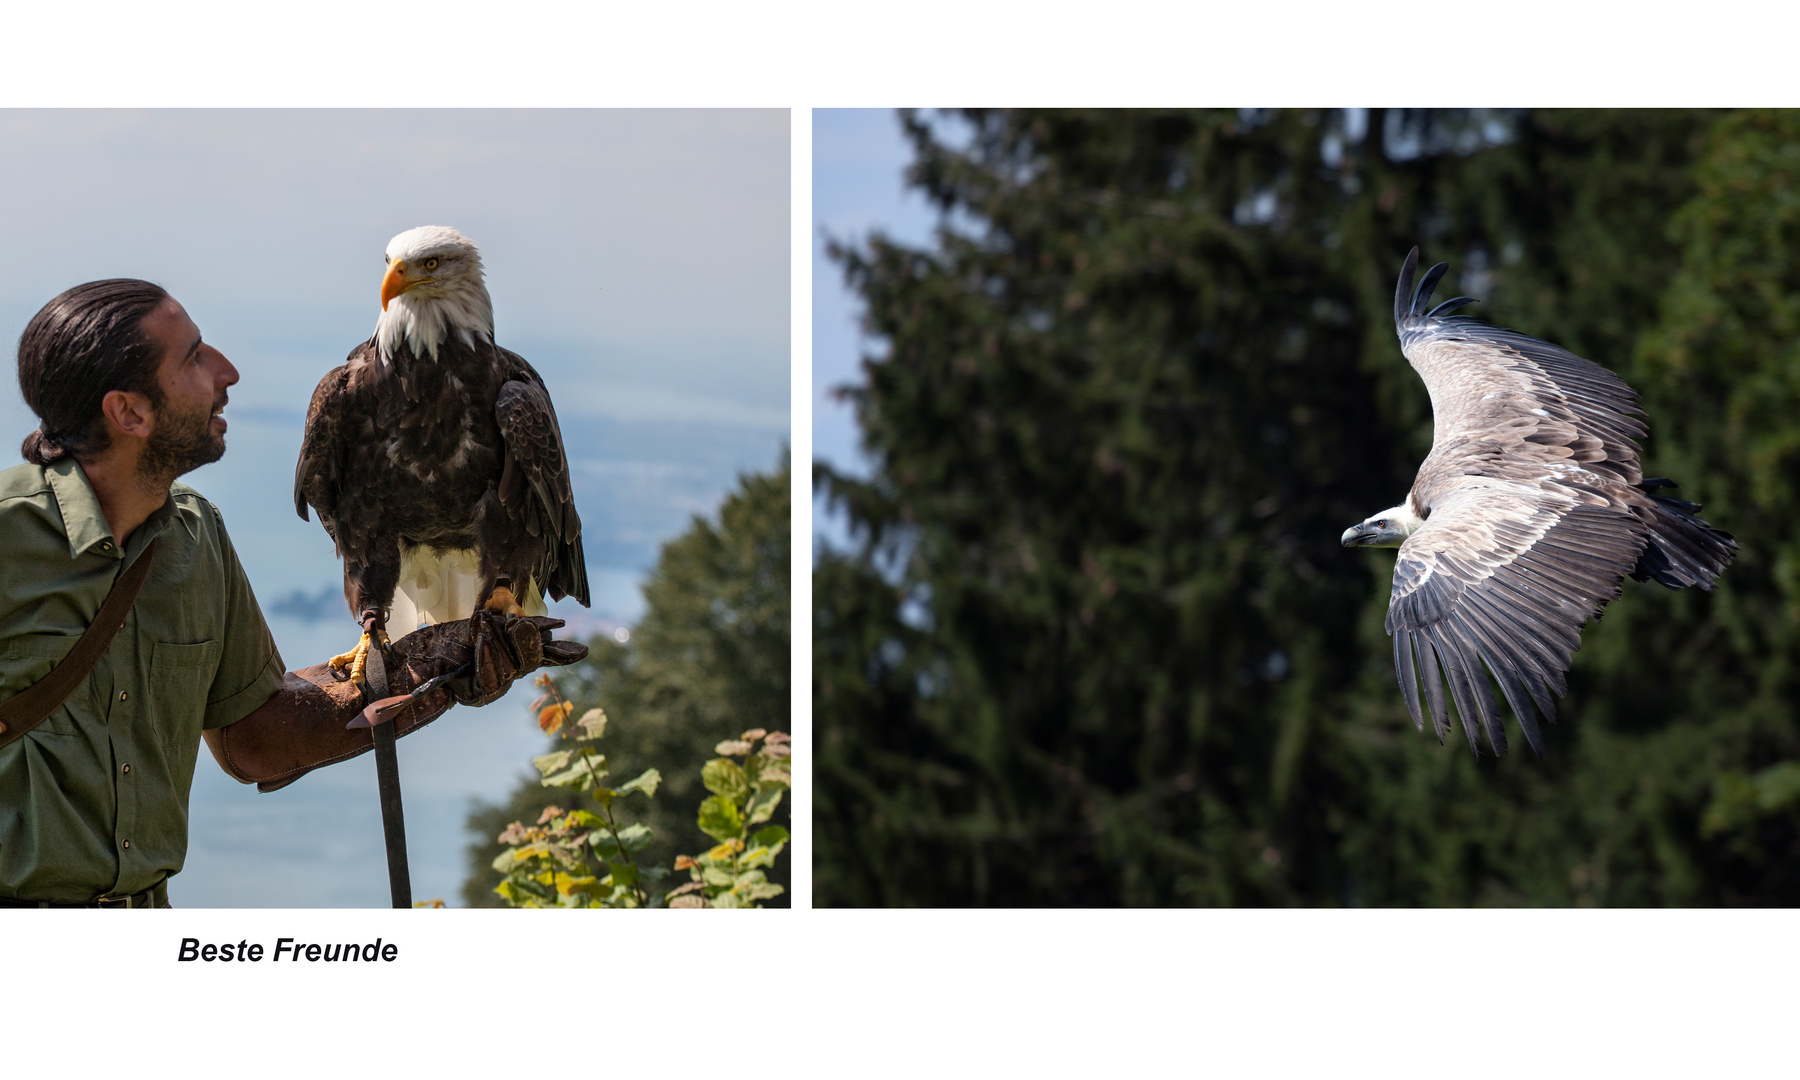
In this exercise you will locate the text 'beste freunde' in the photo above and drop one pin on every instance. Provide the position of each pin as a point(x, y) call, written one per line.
point(288, 949)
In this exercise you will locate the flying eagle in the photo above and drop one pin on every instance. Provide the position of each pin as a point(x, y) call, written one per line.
point(434, 458)
point(1523, 520)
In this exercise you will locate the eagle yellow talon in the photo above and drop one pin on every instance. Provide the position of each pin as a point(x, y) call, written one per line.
point(356, 659)
point(503, 602)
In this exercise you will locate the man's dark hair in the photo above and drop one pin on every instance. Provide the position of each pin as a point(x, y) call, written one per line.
point(82, 345)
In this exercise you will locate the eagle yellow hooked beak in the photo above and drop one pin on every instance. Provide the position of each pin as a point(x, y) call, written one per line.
point(394, 283)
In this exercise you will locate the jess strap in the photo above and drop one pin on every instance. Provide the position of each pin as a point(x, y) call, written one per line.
point(28, 708)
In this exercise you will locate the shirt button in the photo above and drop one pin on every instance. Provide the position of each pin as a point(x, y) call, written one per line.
point(123, 694)
point(126, 769)
point(106, 545)
point(127, 843)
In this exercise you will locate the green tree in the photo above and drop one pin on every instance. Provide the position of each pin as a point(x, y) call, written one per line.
point(1097, 643)
point(709, 660)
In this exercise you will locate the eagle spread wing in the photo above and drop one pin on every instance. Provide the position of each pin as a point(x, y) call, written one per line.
point(1534, 509)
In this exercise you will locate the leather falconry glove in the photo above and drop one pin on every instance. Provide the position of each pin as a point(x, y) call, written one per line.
point(318, 718)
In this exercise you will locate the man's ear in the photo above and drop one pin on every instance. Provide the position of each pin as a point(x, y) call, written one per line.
point(128, 413)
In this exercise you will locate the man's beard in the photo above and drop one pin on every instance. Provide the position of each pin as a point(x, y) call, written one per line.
point(180, 443)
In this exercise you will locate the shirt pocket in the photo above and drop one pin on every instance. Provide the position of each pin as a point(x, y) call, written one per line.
point(181, 675)
point(24, 661)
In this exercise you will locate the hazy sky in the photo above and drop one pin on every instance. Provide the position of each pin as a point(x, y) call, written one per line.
point(649, 244)
point(638, 259)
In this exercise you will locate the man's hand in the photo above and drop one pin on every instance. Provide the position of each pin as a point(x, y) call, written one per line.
point(303, 726)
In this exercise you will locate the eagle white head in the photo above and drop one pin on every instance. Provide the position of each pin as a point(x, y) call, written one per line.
point(433, 289)
point(1389, 529)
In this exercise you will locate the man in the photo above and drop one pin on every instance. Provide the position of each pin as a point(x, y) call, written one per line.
point(93, 799)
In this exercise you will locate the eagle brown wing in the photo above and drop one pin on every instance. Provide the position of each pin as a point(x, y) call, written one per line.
point(534, 479)
point(316, 474)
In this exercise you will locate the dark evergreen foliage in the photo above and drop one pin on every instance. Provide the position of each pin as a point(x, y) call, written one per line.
point(1098, 643)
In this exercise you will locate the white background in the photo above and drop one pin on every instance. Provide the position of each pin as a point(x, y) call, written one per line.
point(1401, 993)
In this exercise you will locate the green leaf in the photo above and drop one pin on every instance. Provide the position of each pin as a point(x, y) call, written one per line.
point(770, 836)
point(718, 876)
point(645, 782)
point(635, 837)
point(762, 891)
point(579, 776)
point(592, 725)
point(549, 763)
point(725, 778)
point(762, 811)
point(624, 874)
point(719, 818)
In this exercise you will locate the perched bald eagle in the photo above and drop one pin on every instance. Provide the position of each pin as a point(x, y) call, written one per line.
point(434, 458)
point(1523, 520)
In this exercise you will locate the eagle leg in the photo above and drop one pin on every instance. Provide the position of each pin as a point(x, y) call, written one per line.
point(369, 583)
point(357, 660)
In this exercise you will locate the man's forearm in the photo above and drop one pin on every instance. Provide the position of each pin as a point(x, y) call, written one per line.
point(301, 728)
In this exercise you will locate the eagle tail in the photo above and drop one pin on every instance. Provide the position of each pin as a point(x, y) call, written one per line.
point(1683, 549)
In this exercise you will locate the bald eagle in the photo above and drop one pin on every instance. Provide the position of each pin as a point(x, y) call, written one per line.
point(434, 458)
point(1523, 520)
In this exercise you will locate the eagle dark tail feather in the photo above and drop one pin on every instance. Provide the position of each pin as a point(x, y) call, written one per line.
point(1683, 549)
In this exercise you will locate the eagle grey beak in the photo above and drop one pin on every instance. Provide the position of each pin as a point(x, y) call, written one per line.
point(1353, 536)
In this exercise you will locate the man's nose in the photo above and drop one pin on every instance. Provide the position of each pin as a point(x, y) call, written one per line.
point(228, 372)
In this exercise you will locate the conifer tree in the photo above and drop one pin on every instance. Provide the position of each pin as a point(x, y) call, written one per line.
point(1098, 643)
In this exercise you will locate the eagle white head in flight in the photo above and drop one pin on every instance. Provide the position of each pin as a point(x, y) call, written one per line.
point(1523, 520)
point(434, 457)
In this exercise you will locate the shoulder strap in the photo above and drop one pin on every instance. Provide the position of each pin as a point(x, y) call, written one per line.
point(28, 708)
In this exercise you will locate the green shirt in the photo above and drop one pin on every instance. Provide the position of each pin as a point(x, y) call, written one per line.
point(93, 801)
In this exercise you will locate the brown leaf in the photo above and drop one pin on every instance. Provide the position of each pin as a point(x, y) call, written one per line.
point(550, 813)
point(551, 719)
point(732, 747)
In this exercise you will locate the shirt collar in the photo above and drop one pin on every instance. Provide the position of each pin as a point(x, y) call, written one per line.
point(83, 520)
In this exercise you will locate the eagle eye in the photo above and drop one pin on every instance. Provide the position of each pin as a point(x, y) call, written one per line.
point(431, 263)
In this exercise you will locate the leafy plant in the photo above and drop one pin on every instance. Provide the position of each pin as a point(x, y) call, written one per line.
point(578, 858)
point(585, 858)
point(732, 874)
